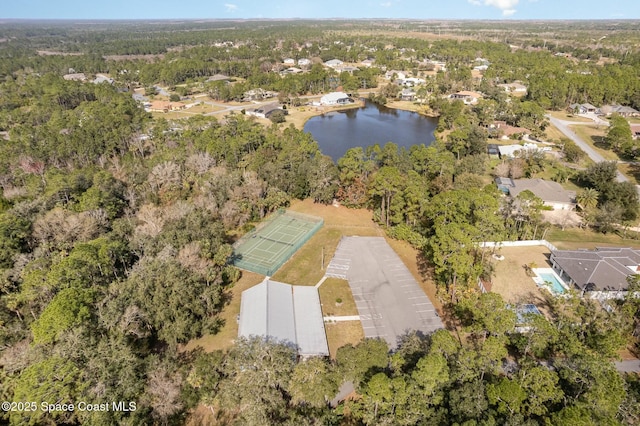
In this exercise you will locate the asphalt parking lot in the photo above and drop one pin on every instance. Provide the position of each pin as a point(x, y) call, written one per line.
point(389, 300)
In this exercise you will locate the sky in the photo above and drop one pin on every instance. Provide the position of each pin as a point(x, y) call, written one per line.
point(247, 9)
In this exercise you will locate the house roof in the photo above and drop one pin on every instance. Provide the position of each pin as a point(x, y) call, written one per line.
point(510, 150)
point(333, 62)
point(548, 191)
point(218, 77)
point(333, 97)
point(467, 93)
point(605, 268)
point(286, 313)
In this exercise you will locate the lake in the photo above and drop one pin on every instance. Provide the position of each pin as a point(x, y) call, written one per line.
point(338, 131)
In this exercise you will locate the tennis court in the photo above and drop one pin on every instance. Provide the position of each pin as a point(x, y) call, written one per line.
point(268, 247)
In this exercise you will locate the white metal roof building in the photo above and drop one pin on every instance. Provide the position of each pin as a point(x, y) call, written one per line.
point(286, 313)
point(334, 98)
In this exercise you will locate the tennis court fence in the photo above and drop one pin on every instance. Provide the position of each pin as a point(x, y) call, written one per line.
point(269, 267)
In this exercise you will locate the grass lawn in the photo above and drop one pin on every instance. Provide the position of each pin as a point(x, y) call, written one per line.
point(305, 266)
point(550, 172)
point(511, 280)
point(298, 116)
point(227, 335)
point(561, 115)
point(343, 333)
point(594, 136)
point(575, 238)
point(551, 133)
point(632, 171)
point(332, 290)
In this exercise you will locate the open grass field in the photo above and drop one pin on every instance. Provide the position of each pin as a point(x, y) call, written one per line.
point(511, 280)
point(632, 171)
point(336, 298)
point(343, 333)
point(298, 116)
point(594, 136)
point(551, 133)
point(562, 115)
point(575, 238)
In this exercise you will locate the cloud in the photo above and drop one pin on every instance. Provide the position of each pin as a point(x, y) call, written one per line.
point(386, 4)
point(231, 7)
point(506, 6)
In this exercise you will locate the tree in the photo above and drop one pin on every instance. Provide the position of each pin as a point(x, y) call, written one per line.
point(363, 360)
point(313, 382)
point(588, 198)
point(572, 152)
point(278, 116)
point(256, 376)
point(619, 135)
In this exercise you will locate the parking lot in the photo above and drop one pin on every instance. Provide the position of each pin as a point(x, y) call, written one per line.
point(389, 300)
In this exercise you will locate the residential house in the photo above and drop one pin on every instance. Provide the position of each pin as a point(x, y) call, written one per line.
point(515, 88)
point(218, 77)
point(511, 151)
point(101, 78)
point(333, 63)
point(76, 76)
point(411, 81)
point(624, 111)
point(258, 95)
point(346, 68)
point(583, 109)
point(602, 273)
point(284, 313)
point(502, 130)
point(289, 61)
point(551, 193)
point(635, 131)
point(265, 111)
point(367, 62)
point(291, 70)
point(408, 95)
point(399, 75)
point(164, 106)
point(469, 98)
point(336, 98)
point(304, 62)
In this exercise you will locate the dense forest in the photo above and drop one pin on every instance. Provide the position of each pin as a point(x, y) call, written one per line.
point(116, 231)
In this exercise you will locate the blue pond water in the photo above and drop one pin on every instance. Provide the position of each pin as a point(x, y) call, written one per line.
point(371, 124)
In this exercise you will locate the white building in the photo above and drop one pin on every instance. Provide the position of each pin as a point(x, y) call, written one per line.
point(334, 63)
point(335, 98)
point(284, 313)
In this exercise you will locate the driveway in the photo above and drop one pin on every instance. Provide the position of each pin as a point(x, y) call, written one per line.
point(389, 300)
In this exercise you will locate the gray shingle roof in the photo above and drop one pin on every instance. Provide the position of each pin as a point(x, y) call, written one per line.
point(547, 190)
point(604, 269)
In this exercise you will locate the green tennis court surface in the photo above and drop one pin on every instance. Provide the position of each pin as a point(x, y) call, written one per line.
point(267, 248)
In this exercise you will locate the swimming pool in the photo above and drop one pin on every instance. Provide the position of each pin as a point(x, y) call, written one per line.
point(546, 277)
point(556, 286)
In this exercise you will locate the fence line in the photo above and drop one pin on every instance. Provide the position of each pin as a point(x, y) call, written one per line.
point(524, 243)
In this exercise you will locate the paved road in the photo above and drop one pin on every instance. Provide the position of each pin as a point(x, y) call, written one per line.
point(632, 366)
point(389, 300)
point(563, 126)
